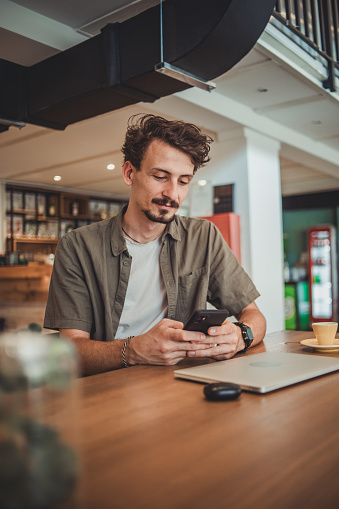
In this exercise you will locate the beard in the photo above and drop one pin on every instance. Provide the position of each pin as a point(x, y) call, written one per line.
point(162, 216)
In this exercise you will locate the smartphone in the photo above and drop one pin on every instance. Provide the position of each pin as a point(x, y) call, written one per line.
point(203, 319)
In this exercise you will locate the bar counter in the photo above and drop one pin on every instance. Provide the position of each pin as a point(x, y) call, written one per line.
point(25, 282)
point(23, 294)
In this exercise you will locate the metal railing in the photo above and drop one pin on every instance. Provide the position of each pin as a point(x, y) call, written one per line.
point(316, 22)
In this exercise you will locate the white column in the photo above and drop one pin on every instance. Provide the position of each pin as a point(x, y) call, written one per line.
point(264, 224)
point(251, 161)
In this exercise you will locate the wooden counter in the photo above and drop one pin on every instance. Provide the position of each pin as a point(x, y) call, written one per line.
point(150, 441)
point(23, 283)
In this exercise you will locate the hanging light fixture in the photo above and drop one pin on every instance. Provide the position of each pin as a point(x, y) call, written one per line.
point(15, 123)
point(175, 72)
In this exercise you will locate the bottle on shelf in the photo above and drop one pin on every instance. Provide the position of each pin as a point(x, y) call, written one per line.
point(74, 208)
point(51, 209)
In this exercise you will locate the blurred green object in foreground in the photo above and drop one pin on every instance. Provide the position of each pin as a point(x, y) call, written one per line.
point(38, 460)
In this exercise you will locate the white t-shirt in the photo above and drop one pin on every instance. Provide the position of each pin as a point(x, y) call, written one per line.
point(146, 298)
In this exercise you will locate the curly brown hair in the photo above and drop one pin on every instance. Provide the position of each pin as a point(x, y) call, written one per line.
point(142, 130)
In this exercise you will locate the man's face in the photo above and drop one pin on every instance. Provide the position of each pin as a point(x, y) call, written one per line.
point(162, 183)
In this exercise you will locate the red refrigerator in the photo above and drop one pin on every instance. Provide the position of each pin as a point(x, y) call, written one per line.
point(229, 226)
point(322, 250)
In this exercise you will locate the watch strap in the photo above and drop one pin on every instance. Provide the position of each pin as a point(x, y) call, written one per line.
point(247, 335)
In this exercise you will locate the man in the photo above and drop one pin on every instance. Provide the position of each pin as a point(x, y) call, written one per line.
point(131, 282)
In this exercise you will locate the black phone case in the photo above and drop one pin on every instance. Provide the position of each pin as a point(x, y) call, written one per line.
point(203, 319)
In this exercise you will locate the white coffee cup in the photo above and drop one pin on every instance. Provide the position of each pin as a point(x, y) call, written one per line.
point(325, 332)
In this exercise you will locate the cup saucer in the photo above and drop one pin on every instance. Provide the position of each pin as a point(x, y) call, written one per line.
point(313, 343)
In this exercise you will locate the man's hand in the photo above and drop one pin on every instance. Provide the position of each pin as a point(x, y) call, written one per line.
point(165, 344)
point(222, 342)
point(225, 341)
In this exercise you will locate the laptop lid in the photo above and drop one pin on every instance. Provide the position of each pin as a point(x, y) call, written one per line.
point(262, 372)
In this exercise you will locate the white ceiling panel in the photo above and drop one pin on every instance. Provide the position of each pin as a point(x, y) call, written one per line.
point(318, 122)
point(75, 172)
point(296, 173)
point(254, 57)
point(114, 186)
point(279, 86)
point(75, 176)
point(74, 13)
point(309, 186)
point(175, 107)
point(332, 141)
point(35, 148)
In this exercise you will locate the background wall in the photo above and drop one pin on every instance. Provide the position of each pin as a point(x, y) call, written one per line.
point(295, 225)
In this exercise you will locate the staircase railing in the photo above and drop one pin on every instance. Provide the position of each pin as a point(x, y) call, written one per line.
point(316, 22)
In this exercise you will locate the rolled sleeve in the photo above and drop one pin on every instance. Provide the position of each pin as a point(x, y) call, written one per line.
point(69, 304)
point(230, 286)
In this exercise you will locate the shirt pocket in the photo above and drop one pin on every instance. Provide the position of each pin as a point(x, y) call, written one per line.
point(192, 292)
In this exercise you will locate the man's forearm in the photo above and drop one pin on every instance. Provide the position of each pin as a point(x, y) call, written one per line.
point(96, 356)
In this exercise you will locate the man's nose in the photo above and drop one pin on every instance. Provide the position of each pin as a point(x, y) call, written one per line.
point(171, 191)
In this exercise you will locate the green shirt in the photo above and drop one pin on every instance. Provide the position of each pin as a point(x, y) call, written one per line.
point(92, 267)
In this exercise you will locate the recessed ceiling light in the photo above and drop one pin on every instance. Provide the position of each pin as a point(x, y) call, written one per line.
point(57, 177)
point(202, 182)
point(262, 90)
point(110, 166)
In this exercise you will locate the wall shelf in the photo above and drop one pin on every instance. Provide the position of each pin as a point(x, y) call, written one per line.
point(39, 230)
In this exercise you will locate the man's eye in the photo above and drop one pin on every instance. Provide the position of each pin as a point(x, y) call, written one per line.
point(159, 178)
point(183, 182)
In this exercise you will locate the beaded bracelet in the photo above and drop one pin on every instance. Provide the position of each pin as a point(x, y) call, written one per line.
point(123, 351)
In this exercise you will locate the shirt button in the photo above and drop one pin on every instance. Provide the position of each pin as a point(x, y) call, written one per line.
point(118, 298)
point(125, 263)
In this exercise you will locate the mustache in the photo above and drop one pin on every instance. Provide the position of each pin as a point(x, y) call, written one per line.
point(169, 203)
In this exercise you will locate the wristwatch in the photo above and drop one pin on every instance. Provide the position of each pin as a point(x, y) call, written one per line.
point(247, 335)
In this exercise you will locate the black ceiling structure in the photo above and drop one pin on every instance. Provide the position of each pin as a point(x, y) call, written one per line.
point(117, 67)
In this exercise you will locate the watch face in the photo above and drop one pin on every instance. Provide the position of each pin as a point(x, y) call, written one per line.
point(250, 334)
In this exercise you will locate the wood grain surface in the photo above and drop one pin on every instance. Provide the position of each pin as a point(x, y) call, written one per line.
point(26, 283)
point(151, 441)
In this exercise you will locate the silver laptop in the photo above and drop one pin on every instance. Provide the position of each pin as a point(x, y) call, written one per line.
point(262, 372)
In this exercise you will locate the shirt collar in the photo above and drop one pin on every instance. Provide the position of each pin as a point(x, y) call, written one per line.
point(172, 229)
point(118, 243)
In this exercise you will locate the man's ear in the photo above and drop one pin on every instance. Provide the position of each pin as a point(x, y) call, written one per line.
point(127, 173)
